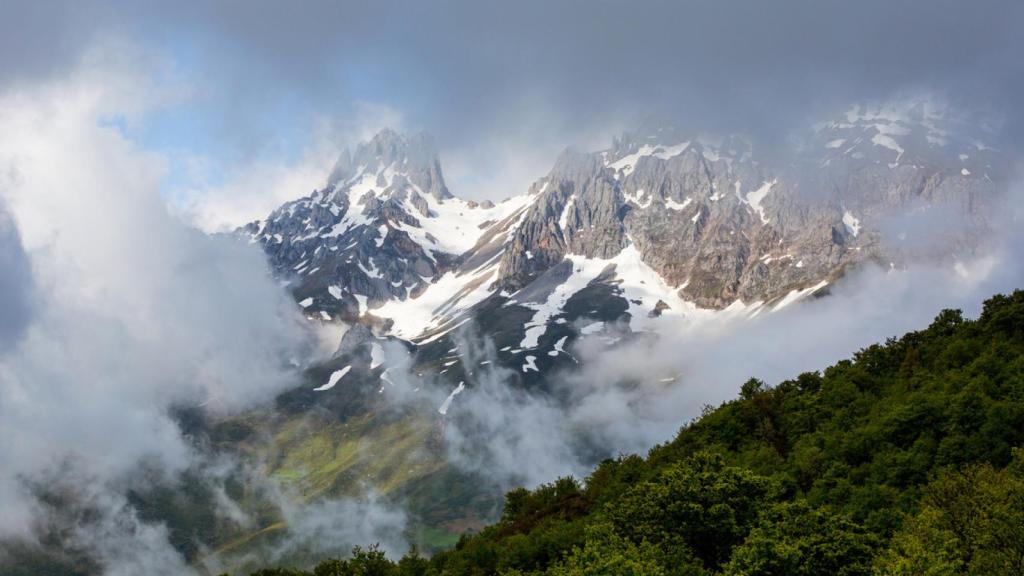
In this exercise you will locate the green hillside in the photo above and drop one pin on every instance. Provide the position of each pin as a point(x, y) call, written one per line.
point(903, 460)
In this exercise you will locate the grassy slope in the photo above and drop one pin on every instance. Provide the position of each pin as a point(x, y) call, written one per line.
point(317, 454)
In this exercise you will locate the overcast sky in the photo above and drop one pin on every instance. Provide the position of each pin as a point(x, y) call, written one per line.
point(268, 91)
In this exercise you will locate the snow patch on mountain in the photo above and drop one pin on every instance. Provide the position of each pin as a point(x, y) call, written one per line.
point(454, 226)
point(443, 409)
point(531, 364)
point(336, 376)
point(444, 299)
point(795, 295)
point(564, 218)
point(671, 204)
point(754, 198)
point(852, 223)
point(887, 141)
point(641, 286)
point(376, 355)
point(627, 164)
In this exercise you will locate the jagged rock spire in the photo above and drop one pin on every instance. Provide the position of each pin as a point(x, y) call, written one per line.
point(414, 156)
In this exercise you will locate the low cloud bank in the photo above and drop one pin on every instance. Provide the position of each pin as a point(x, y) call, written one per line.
point(115, 312)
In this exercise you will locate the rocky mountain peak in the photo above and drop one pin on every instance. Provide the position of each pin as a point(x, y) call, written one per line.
point(383, 230)
point(389, 154)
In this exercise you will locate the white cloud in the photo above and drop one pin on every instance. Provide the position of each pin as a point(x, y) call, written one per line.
point(132, 312)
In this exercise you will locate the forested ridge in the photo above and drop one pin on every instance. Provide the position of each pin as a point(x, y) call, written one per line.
point(903, 460)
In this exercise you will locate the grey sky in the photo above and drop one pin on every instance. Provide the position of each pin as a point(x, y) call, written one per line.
point(541, 72)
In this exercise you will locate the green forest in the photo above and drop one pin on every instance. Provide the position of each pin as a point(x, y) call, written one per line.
point(903, 460)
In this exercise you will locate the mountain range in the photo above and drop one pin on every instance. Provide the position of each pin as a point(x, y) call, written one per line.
point(662, 227)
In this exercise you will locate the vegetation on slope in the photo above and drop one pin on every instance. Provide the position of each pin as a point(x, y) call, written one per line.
point(903, 460)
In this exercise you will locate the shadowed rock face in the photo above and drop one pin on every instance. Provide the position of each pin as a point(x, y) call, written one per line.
point(716, 220)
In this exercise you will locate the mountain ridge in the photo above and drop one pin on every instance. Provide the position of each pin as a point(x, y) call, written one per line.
point(703, 221)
